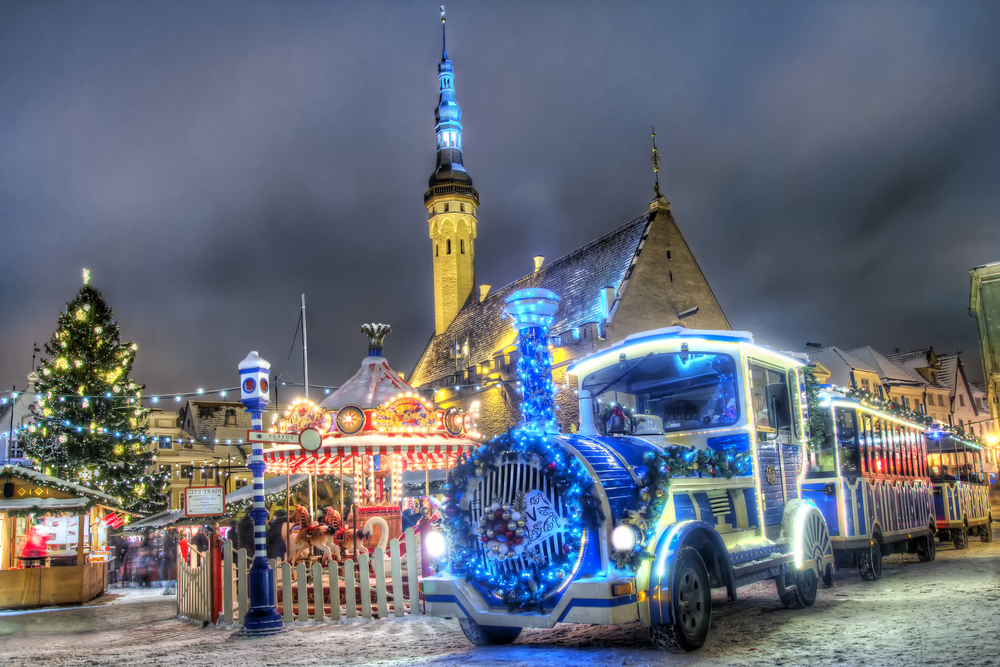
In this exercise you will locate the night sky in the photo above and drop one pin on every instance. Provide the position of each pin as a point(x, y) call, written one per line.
point(834, 167)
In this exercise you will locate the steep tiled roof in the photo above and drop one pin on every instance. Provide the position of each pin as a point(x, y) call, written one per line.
point(840, 364)
point(887, 371)
point(577, 278)
point(948, 374)
point(202, 418)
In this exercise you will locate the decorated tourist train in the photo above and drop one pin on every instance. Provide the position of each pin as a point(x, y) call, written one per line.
point(961, 489)
point(868, 476)
point(684, 477)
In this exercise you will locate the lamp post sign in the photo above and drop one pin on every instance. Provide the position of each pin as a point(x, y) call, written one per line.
point(309, 439)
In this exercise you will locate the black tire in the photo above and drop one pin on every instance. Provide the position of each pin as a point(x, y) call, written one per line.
point(986, 531)
point(828, 576)
point(487, 635)
point(870, 562)
point(927, 549)
point(960, 538)
point(797, 590)
point(691, 605)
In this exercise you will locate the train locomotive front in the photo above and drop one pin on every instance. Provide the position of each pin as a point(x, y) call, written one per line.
point(693, 484)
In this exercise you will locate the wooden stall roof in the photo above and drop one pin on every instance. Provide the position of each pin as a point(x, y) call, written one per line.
point(57, 484)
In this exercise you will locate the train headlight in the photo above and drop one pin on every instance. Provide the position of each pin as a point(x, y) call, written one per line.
point(436, 544)
point(624, 537)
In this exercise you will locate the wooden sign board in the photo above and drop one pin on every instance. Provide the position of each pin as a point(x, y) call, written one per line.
point(204, 501)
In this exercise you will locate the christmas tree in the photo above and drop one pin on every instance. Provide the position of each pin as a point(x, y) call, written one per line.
point(89, 425)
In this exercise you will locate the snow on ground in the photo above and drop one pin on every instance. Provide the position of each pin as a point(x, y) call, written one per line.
point(939, 613)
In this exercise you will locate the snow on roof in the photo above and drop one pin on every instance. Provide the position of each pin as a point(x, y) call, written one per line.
point(840, 364)
point(41, 503)
point(253, 361)
point(373, 384)
point(887, 370)
point(271, 485)
point(35, 476)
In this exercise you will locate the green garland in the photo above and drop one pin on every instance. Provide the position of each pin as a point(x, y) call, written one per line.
point(656, 476)
point(572, 482)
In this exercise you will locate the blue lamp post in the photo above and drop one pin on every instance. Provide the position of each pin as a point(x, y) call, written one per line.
point(262, 618)
point(532, 312)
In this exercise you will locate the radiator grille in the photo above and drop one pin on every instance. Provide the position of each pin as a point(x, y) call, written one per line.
point(503, 485)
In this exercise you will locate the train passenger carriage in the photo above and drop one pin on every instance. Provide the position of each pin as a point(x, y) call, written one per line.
point(869, 478)
point(961, 489)
point(659, 547)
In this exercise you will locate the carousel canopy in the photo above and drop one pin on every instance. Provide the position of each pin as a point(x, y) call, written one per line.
point(374, 384)
point(418, 449)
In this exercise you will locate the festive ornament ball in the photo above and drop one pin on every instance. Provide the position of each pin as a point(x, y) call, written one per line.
point(645, 496)
point(516, 516)
point(495, 506)
point(479, 472)
point(503, 549)
point(505, 516)
point(425, 511)
point(560, 575)
point(498, 514)
point(505, 507)
point(511, 525)
point(518, 532)
point(659, 493)
point(520, 523)
point(552, 465)
point(491, 533)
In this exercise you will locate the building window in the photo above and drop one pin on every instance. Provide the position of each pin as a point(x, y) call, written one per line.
point(167, 468)
point(865, 384)
point(941, 400)
point(670, 255)
point(916, 405)
point(445, 208)
point(241, 482)
point(671, 275)
point(961, 400)
point(576, 333)
point(461, 207)
point(187, 471)
point(934, 377)
point(461, 245)
point(436, 248)
point(447, 248)
point(979, 402)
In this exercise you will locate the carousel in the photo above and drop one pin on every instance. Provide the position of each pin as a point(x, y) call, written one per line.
point(393, 444)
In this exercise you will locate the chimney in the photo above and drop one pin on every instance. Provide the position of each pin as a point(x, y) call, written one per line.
point(607, 300)
point(539, 259)
point(484, 289)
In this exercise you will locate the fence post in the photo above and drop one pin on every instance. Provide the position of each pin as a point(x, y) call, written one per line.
point(241, 581)
point(379, 556)
point(412, 571)
point(334, 569)
point(349, 590)
point(397, 578)
point(227, 582)
point(319, 599)
point(180, 563)
point(287, 592)
point(364, 586)
point(302, 580)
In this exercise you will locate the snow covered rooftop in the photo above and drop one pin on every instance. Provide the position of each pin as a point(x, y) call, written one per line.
point(30, 475)
point(373, 384)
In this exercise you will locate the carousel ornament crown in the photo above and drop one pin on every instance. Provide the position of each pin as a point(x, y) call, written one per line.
point(376, 336)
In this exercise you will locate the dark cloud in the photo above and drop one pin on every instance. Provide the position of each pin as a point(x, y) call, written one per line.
point(833, 166)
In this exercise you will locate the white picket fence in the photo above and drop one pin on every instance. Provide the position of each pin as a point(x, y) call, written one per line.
point(194, 589)
point(378, 586)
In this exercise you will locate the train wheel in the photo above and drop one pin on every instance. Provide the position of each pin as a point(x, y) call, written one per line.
point(691, 605)
point(487, 635)
point(870, 562)
point(986, 531)
point(797, 589)
point(927, 549)
point(828, 576)
point(960, 538)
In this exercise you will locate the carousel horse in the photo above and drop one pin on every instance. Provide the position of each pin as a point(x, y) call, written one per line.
point(345, 537)
point(308, 535)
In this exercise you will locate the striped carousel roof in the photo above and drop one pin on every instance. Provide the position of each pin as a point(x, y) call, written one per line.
point(418, 449)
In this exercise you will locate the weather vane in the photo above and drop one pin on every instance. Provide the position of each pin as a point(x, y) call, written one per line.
point(656, 167)
point(86, 276)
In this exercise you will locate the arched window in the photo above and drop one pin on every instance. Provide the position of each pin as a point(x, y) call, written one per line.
point(461, 246)
point(448, 247)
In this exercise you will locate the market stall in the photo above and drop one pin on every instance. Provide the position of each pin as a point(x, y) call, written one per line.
point(53, 539)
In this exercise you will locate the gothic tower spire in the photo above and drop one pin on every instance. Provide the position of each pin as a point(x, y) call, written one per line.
point(451, 202)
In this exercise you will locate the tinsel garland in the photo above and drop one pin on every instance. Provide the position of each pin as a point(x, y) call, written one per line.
point(571, 481)
point(655, 477)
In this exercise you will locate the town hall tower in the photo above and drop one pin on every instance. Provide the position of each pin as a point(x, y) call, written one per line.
point(451, 203)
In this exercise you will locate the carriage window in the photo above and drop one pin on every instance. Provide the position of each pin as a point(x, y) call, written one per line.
point(771, 404)
point(797, 389)
point(847, 441)
point(686, 390)
point(897, 449)
point(878, 465)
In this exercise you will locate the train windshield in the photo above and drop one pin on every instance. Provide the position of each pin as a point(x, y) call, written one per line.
point(685, 390)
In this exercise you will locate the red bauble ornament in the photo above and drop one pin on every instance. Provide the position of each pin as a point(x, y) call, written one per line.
point(484, 539)
point(567, 548)
point(498, 514)
point(552, 465)
point(510, 535)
